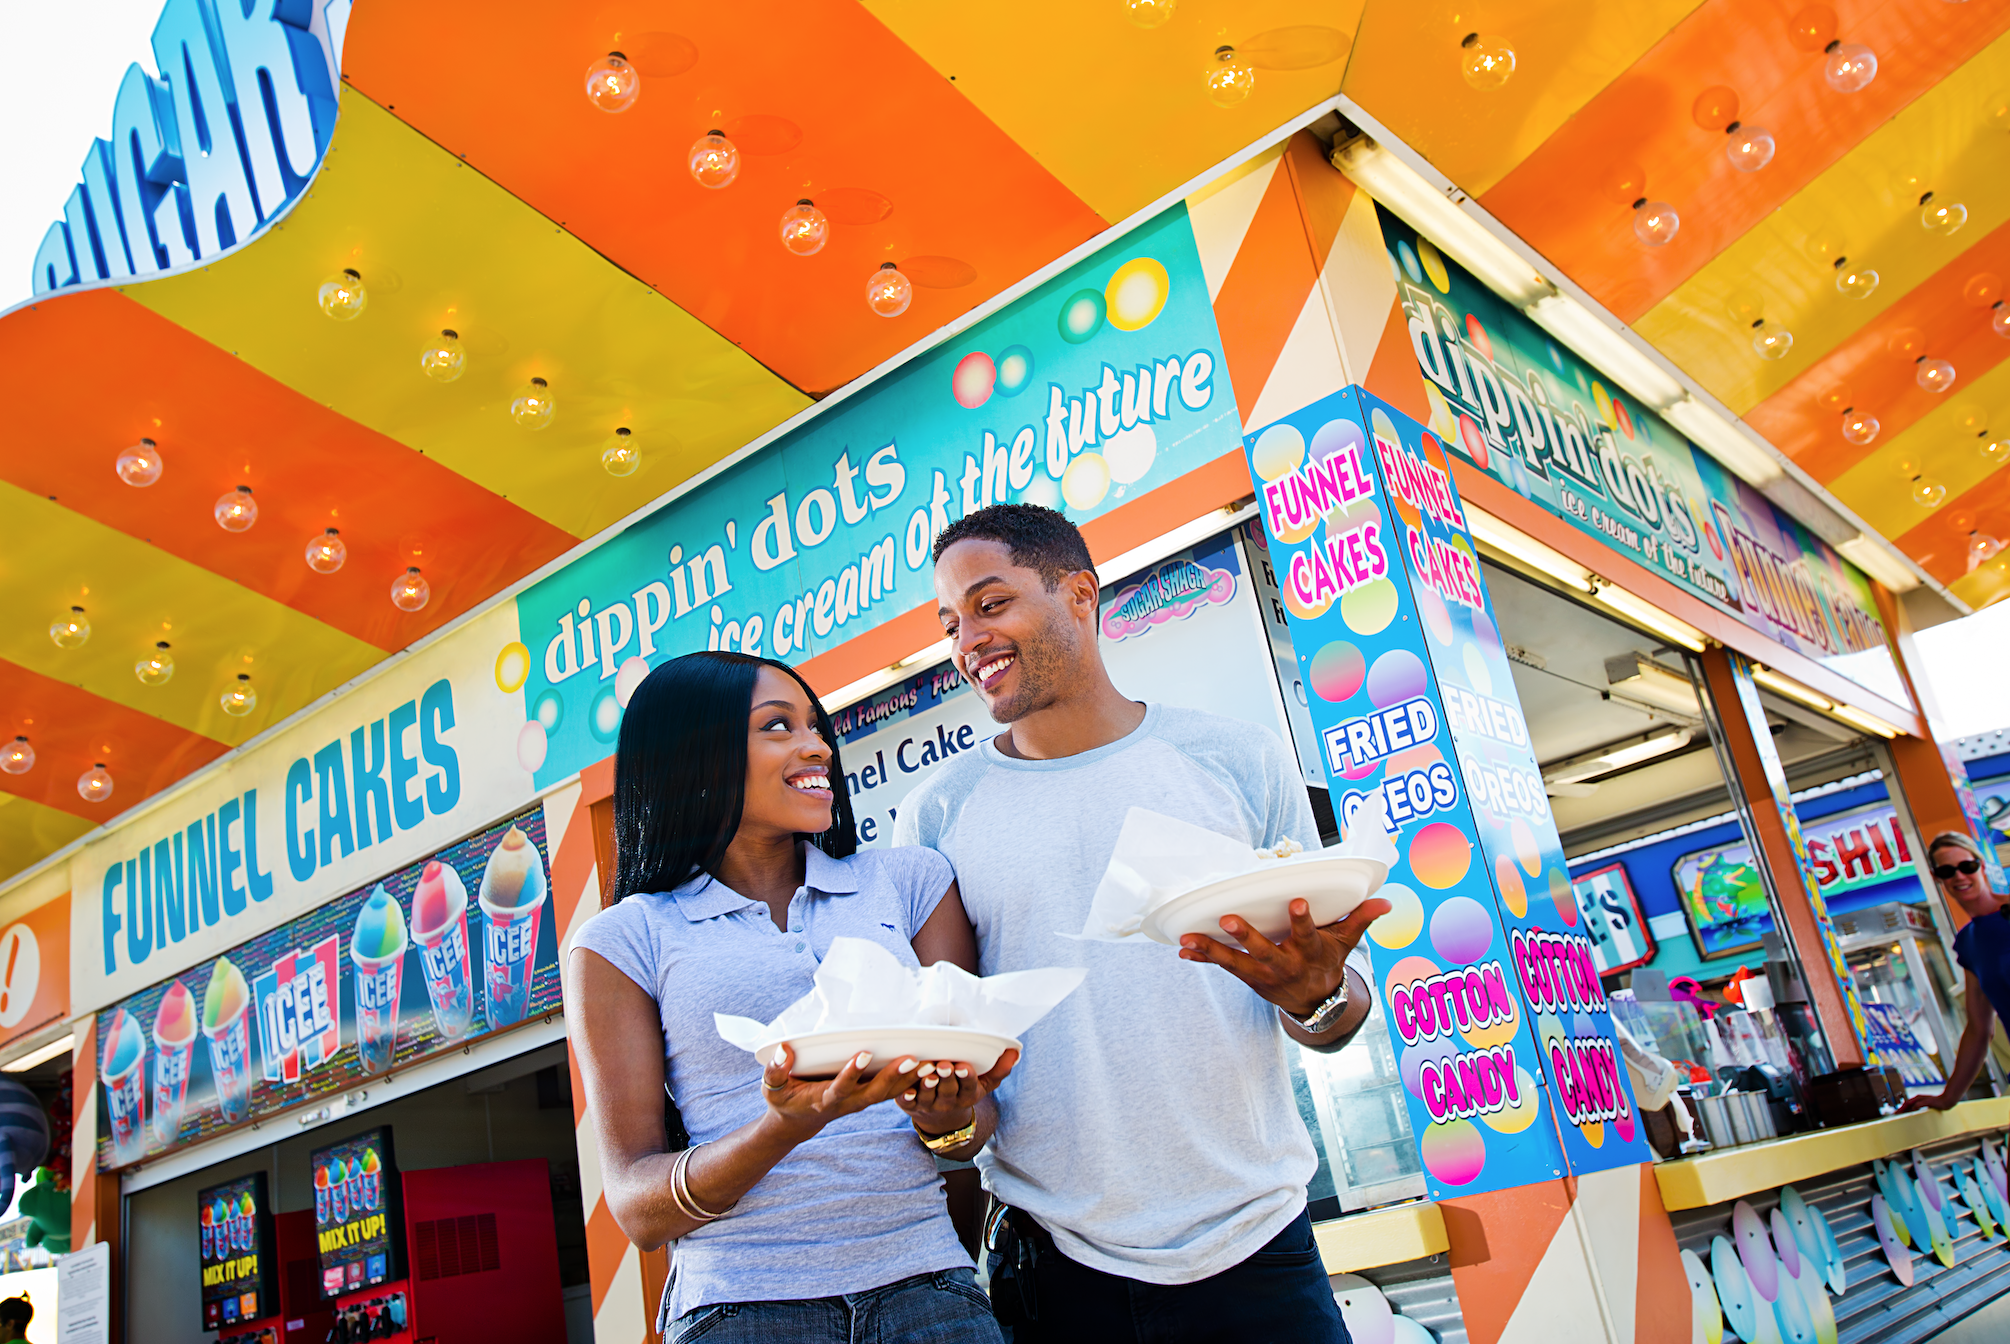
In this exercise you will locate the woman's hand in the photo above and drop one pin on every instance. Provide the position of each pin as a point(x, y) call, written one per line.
point(943, 1094)
point(806, 1105)
point(1941, 1102)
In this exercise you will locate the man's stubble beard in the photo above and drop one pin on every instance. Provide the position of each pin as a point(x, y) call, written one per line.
point(1043, 667)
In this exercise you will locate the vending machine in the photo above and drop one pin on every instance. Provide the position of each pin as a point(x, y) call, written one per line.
point(239, 1261)
point(359, 1232)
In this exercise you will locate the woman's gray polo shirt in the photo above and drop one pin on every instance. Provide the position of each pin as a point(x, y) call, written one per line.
point(858, 1206)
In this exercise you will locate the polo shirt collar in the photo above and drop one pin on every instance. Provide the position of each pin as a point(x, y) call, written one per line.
point(706, 897)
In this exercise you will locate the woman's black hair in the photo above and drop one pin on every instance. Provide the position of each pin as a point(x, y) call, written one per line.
point(680, 771)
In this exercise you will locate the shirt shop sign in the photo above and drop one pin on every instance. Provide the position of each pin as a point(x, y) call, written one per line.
point(208, 153)
point(387, 772)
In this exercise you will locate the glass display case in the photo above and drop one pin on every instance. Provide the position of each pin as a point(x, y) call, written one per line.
point(1364, 1127)
point(1902, 968)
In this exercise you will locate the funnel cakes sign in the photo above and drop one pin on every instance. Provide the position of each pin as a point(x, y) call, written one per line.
point(434, 956)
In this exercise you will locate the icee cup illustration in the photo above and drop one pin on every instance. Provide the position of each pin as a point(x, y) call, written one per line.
point(378, 949)
point(440, 928)
point(174, 1048)
point(512, 896)
point(126, 1083)
point(226, 1022)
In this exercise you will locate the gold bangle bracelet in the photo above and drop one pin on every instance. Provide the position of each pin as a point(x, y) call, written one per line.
point(680, 1191)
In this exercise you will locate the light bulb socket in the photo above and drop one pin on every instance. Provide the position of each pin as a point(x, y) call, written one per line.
point(1732, 129)
point(1925, 198)
point(539, 382)
point(76, 611)
point(888, 266)
point(411, 569)
point(160, 644)
point(352, 273)
point(1830, 48)
point(617, 55)
point(1469, 39)
point(1760, 323)
point(243, 489)
point(1224, 53)
point(1841, 262)
point(147, 443)
point(624, 431)
point(450, 333)
point(806, 201)
point(1920, 360)
point(716, 131)
point(1642, 201)
point(331, 531)
point(244, 676)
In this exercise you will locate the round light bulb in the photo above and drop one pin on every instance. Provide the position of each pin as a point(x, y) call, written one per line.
point(444, 359)
point(1486, 62)
point(1981, 548)
point(533, 406)
point(1860, 427)
point(343, 296)
point(1928, 494)
point(714, 160)
point(1999, 321)
point(1851, 66)
point(804, 229)
point(240, 699)
point(237, 511)
point(612, 84)
point(621, 456)
point(95, 784)
point(1995, 451)
point(70, 631)
point(157, 668)
point(1655, 223)
point(1149, 13)
point(1770, 342)
point(17, 757)
point(1854, 282)
point(1943, 217)
point(1749, 148)
point(140, 464)
point(1229, 81)
point(889, 292)
point(1935, 375)
point(411, 591)
point(327, 552)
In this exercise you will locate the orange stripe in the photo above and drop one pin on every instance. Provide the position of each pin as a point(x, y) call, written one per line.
point(1392, 373)
point(1560, 198)
point(84, 1097)
point(605, 1245)
point(93, 372)
point(71, 728)
point(572, 865)
point(1264, 290)
point(1880, 381)
point(1323, 194)
point(1497, 1240)
point(1940, 542)
point(1661, 1295)
point(868, 111)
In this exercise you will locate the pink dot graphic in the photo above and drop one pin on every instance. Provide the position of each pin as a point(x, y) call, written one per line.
point(1396, 676)
point(1440, 854)
point(973, 380)
point(1454, 1152)
point(1338, 671)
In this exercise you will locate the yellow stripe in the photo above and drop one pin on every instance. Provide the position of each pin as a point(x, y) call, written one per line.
point(1866, 205)
point(1881, 494)
point(135, 594)
point(439, 245)
point(28, 830)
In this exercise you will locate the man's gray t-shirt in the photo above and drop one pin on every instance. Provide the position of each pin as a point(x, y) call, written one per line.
point(1150, 1126)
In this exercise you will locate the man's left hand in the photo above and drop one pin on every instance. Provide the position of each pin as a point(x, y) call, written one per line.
point(1297, 974)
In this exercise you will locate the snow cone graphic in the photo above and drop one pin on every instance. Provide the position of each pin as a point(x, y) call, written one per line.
point(226, 1021)
point(378, 949)
point(512, 896)
point(373, 1179)
point(126, 1082)
point(440, 928)
point(247, 1222)
point(338, 1191)
point(322, 1196)
point(208, 1235)
point(174, 1047)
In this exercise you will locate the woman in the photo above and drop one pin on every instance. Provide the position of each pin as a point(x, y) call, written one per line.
point(1983, 949)
point(802, 1209)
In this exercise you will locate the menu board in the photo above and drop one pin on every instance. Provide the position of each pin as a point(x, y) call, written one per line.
point(359, 1226)
point(238, 1282)
point(434, 956)
point(1491, 987)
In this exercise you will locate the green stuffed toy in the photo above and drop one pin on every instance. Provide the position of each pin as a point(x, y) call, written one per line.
point(48, 1212)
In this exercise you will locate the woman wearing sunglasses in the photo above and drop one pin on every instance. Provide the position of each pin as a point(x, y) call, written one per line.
point(1983, 949)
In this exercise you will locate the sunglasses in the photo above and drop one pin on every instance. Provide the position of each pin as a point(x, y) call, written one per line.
point(1967, 868)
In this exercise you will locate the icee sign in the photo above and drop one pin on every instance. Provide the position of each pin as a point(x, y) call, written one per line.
point(1493, 1015)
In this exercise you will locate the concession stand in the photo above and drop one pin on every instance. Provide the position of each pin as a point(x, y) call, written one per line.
point(1497, 540)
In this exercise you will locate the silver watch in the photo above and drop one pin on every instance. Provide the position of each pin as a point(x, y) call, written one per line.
point(1321, 1019)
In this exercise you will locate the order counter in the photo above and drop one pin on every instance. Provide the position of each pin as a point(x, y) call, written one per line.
point(1378, 1237)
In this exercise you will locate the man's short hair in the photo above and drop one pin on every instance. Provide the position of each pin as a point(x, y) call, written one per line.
point(16, 1311)
point(1039, 539)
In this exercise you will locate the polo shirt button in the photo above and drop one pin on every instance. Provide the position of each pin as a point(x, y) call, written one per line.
point(799, 947)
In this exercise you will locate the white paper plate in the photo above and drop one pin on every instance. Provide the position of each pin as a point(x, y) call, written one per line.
point(820, 1054)
point(1333, 884)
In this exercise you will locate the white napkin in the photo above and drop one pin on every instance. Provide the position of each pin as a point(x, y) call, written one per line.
point(861, 984)
point(1159, 857)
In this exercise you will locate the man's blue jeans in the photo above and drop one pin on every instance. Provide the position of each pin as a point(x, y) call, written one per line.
point(1280, 1294)
point(946, 1307)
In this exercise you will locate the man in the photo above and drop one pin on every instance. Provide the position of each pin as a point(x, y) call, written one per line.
point(1148, 1143)
point(1983, 950)
point(15, 1313)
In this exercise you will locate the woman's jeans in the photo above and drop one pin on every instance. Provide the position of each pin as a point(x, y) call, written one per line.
point(945, 1307)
